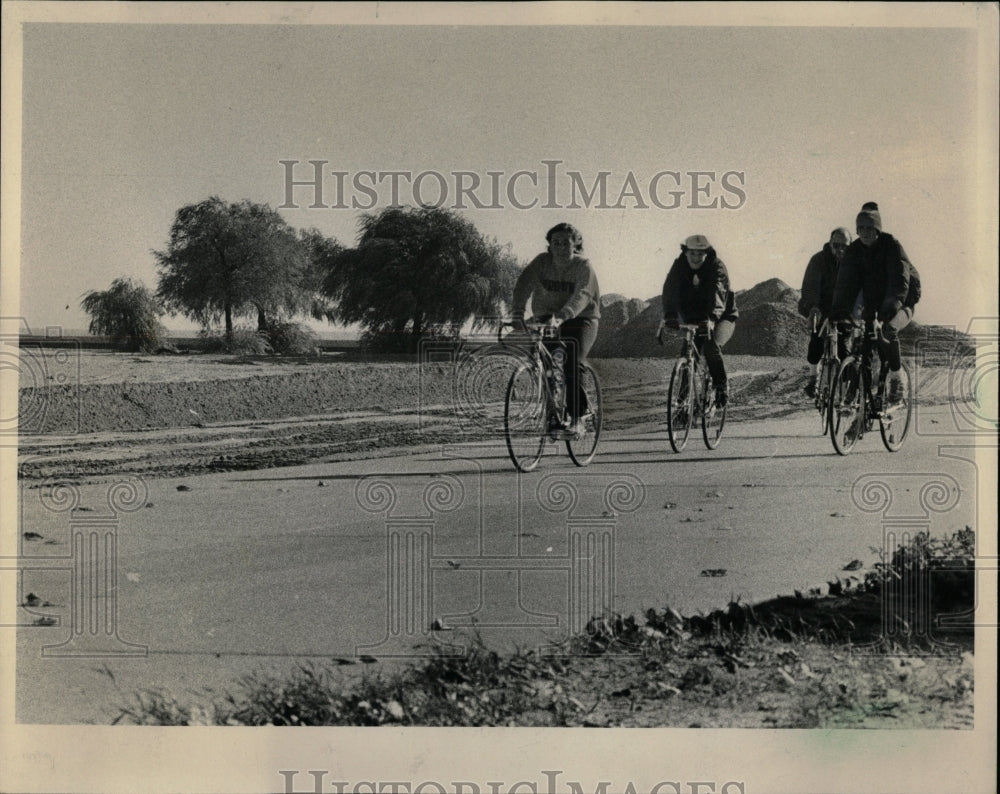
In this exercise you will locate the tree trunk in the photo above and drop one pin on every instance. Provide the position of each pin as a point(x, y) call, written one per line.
point(229, 323)
point(261, 320)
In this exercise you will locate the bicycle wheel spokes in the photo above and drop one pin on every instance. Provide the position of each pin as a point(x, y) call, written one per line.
point(846, 414)
point(713, 418)
point(894, 420)
point(583, 447)
point(680, 405)
point(525, 418)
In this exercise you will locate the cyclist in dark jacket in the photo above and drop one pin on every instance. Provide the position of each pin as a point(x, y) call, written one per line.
point(817, 296)
point(877, 265)
point(697, 291)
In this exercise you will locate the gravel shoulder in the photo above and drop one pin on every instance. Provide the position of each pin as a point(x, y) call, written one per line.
point(94, 415)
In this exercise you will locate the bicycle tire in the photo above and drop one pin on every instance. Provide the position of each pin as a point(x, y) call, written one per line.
point(847, 400)
point(582, 450)
point(824, 392)
point(524, 418)
point(713, 418)
point(894, 420)
point(680, 405)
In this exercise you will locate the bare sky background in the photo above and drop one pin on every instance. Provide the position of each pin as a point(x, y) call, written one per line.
point(124, 124)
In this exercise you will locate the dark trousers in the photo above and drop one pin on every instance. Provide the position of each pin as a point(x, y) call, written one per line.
point(816, 347)
point(711, 349)
point(578, 334)
point(888, 342)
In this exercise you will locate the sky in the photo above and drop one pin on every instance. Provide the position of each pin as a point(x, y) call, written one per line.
point(764, 137)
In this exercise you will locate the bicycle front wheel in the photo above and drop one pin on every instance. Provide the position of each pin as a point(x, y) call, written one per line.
point(524, 418)
point(583, 447)
point(846, 406)
point(894, 421)
point(824, 391)
point(680, 403)
point(713, 417)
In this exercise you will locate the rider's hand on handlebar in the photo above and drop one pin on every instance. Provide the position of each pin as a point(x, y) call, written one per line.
point(705, 327)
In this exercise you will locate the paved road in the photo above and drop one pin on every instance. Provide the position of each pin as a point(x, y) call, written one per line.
point(222, 574)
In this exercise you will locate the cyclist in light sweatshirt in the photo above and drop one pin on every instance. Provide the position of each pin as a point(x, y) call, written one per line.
point(563, 290)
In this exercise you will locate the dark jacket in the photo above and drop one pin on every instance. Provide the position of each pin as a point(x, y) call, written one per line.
point(818, 282)
point(697, 295)
point(881, 273)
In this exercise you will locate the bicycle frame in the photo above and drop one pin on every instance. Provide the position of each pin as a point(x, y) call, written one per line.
point(698, 402)
point(828, 365)
point(543, 372)
point(544, 364)
point(873, 404)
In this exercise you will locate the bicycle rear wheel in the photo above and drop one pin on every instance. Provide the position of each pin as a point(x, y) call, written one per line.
point(824, 392)
point(582, 448)
point(894, 420)
point(713, 418)
point(680, 404)
point(846, 406)
point(524, 418)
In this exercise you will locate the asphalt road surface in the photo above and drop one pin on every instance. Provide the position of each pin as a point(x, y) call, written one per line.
point(187, 583)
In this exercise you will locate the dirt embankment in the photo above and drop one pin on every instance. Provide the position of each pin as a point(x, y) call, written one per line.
point(183, 415)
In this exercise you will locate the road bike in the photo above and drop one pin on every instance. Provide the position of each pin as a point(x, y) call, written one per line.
point(828, 366)
point(855, 405)
point(690, 395)
point(535, 406)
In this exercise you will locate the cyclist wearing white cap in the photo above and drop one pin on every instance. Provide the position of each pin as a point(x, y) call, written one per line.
point(697, 292)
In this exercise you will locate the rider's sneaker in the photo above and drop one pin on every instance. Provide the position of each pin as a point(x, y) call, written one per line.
point(851, 434)
point(555, 428)
point(810, 388)
point(577, 428)
point(721, 397)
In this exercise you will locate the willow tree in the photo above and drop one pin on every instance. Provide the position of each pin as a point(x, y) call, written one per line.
point(417, 269)
point(128, 313)
point(226, 260)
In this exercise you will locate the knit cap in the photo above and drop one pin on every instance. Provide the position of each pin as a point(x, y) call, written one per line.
point(869, 211)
